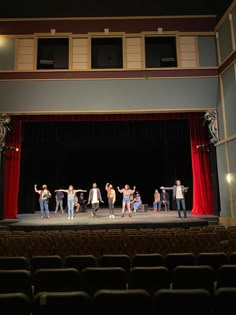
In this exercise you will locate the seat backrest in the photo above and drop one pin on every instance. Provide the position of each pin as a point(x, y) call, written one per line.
point(193, 277)
point(60, 303)
point(96, 278)
point(147, 260)
point(182, 301)
point(45, 262)
point(79, 261)
point(120, 260)
point(15, 304)
point(14, 263)
point(150, 279)
point(13, 281)
point(226, 276)
point(214, 259)
point(224, 301)
point(173, 260)
point(56, 279)
point(123, 302)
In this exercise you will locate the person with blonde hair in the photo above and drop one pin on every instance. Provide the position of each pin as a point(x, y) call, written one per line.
point(127, 192)
point(71, 193)
point(111, 197)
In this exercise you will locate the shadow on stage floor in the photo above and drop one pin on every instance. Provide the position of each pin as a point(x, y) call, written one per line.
point(83, 220)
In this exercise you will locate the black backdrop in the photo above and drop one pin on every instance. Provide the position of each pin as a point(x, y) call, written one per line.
point(147, 154)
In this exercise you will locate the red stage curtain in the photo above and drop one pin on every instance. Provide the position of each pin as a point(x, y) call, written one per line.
point(202, 183)
point(12, 171)
point(202, 192)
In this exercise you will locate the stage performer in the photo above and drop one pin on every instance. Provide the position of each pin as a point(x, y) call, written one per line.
point(94, 198)
point(164, 200)
point(59, 201)
point(179, 195)
point(156, 201)
point(111, 197)
point(44, 196)
point(126, 191)
point(137, 202)
point(71, 193)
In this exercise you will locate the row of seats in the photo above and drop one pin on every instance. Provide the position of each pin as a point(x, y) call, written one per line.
point(98, 244)
point(92, 279)
point(171, 260)
point(125, 302)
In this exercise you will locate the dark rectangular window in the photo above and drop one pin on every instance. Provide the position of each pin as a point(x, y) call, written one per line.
point(160, 52)
point(107, 53)
point(53, 53)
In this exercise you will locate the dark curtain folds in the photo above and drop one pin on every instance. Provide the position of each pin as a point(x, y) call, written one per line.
point(13, 159)
point(202, 182)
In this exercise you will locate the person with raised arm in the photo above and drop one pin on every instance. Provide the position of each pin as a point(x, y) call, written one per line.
point(71, 193)
point(179, 191)
point(126, 191)
point(44, 196)
point(111, 198)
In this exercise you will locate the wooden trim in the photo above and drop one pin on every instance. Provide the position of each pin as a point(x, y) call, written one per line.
point(110, 74)
point(102, 112)
point(111, 18)
point(225, 16)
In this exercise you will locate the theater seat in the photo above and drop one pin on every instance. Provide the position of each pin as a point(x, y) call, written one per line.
point(125, 302)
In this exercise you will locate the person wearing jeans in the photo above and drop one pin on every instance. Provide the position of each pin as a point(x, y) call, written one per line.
point(71, 193)
point(94, 198)
point(179, 195)
point(44, 195)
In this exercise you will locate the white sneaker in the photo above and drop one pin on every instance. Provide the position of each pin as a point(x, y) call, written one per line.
point(113, 216)
point(110, 216)
point(72, 218)
point(134, 210)
point(68, 218)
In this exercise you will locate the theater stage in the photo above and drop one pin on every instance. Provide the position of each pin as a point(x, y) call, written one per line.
point(83, 220)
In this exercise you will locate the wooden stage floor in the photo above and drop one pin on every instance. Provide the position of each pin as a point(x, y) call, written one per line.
point(83, 220)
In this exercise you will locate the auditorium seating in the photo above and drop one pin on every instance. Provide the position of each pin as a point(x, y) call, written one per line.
point(182, 301)
point(15, 304)
point(125, 302)
point(79, 261)
point(120, 260)
point(150, 279)
point(96, 278)
point(56, 280)
point(61, 303)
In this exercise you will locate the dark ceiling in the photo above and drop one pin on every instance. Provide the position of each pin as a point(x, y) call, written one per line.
point(105, 8)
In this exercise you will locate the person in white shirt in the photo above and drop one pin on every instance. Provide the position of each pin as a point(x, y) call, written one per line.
point(94, 198)
point(178, 194)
